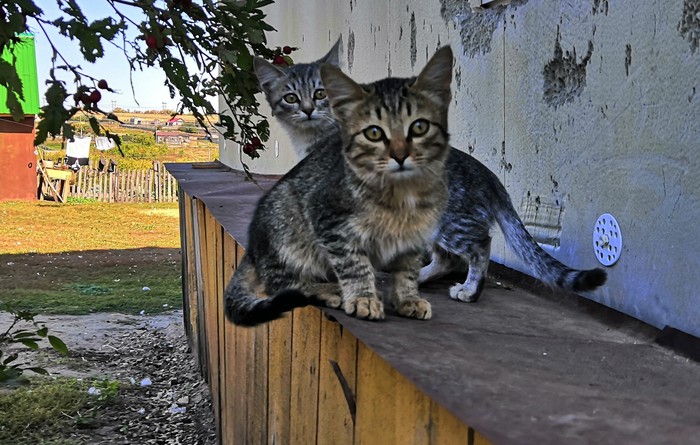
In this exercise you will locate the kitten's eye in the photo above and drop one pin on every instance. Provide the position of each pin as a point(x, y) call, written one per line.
point(320, 94)
point(419, 127)
point(374, 133)
point(291, 98)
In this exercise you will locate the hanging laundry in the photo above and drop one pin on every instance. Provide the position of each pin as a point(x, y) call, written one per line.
point(104, 143)
point(78, 147)
point(78, 152)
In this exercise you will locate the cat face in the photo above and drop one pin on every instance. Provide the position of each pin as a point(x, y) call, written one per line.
point(296, 94)
point(394, 128)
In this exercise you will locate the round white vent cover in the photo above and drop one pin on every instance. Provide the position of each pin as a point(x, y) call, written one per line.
point(607, 240)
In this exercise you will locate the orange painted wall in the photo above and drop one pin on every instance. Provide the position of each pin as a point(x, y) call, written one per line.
point(18, 171)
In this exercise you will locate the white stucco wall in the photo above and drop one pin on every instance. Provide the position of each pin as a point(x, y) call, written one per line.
point(613, 129)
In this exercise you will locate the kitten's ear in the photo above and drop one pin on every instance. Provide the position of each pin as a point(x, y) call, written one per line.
point(436, 77)
point(333, 56)
point(267, 73)
point(341, 90)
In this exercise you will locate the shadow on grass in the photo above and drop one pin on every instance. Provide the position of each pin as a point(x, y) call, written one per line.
point(82, 282)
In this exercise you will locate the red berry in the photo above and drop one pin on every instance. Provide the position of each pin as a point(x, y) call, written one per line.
point(102, 84)
point(85, 98)
point(256, 142)
point(279, 60)
point(151, 41)
point(248, 149)
point(287, 50)
point(95, 96)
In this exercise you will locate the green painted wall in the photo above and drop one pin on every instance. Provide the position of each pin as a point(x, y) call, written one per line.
point(26, 68)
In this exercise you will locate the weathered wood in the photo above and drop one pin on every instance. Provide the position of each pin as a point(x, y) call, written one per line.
point(375, 396)
point(306, 332)
point(256, 385)
point(199, 240)
point(125, 186)
point(337, 384)
point(230, 378)
point(279, 381)
point(240, 408)
point(446, 428)
point(211, 251)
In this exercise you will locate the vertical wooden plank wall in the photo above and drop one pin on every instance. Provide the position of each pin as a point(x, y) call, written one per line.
point(301, 380)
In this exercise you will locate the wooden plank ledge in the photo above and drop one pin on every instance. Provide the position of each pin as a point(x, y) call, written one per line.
point(517, 367)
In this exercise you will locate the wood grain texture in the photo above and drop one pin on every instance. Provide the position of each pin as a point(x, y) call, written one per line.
point(279, 381)
point(337, 384)
point(240, 413)
point(210, 253)
point(256, 391)
point(230, 383)
point(198, 225)
point(306, 333)
point(189, 274)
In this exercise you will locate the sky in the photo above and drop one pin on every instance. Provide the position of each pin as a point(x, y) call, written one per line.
point(149, 90)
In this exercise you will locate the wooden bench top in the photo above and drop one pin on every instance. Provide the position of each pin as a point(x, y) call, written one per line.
point(519, 368)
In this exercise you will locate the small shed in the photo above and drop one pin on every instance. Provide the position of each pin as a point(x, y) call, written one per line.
point(171, 137)
point(18, 178)
point(175, 122)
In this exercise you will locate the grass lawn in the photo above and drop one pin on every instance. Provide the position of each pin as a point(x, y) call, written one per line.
point(43, 413)
point(90, 257)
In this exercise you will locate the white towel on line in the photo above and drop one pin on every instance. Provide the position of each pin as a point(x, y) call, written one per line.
point(78, 148)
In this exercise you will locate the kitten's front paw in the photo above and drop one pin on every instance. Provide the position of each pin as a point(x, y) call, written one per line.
point(415, 308)
point(468, 292)
point(364, 307)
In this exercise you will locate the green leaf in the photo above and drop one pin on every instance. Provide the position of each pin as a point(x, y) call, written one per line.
point(9, 374)
point(245, 61)
point(114, 117)
point(42, 332)
point(10, 359)
point(38, 370)
point(30, 344)
point(58, 345)
point(95, 125)
point(26, 335)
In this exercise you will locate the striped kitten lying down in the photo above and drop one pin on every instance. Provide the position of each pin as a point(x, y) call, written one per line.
point(477, 198)
point(369, 195)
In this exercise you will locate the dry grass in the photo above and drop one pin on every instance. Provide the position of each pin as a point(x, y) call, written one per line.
point(90, 257)
point(46, 227)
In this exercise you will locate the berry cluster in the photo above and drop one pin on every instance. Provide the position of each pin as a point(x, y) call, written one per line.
point(91, 98)
point(252, 147)
point(281, 56)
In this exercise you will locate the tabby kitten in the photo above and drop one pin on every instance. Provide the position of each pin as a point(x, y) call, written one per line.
point(477, 199)
point(369, 195)
point(297, 98)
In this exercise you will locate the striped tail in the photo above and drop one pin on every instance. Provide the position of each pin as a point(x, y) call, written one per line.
point(545, 267)
point(244, 309)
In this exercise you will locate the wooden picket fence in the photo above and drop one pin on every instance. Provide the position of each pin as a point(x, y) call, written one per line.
point(152, 185)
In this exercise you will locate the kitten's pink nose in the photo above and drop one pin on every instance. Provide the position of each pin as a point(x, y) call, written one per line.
point(398, 150)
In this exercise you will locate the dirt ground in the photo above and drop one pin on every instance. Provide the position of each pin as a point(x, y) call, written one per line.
point(162, 398)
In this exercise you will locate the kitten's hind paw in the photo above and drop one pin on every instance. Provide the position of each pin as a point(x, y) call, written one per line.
point(468, 292)
point(415, 308)
point(364, 307)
